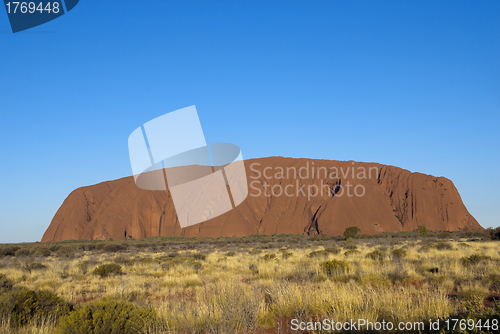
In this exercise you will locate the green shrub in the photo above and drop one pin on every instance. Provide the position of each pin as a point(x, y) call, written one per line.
point(112, 248)
point(41, 251)
point(376, 255)
point(351, 232)
point(444, 246)
point(334, 267)
point(333, 250)
point(398, 253)
point(65, 251)
point(22, 252)
point(474, 259)
point(269, 256)
point(23, 306)
point(199, 256)
point(422, 230)
point(108, 269)
point(5, 283)
point(320, 253)
point(8, 250)
point(107, 317)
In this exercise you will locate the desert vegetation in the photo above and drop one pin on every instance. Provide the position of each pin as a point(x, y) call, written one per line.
point(253, 284)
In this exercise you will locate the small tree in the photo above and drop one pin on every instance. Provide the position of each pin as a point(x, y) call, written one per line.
point(351, 232)
point(423, 230)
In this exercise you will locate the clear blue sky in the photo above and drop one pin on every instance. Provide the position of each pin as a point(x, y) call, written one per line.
point(415, 84)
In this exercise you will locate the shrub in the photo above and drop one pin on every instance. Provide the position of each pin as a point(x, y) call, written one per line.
point(444, 246)
point(351, 232)
point(23, 306)
point(422, 230)
point(5, 283)
point(108, 269)
point(376, 255)
point(351, 252)
point(23, 252)
point(334, 267)
point(30, 266)
point(333, 250)
point(168, 262)
point(41, 251)
point(65, 251)
point(320, 253)
point(111, 248)
point(107, 317)
point(350, 247)
point(473, 259)
point(8, 250)
point(269, 256)
point(199, 256)
point(229, 254)
point(398, 253)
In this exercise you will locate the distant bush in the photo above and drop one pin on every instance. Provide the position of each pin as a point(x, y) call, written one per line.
point(8, 250)
point(376, 255)
point(320, 253)
point(269, 256)
point(104, 316)
point(229, 254)
point(199, 256)
point(334, 267)
point(474, 259)
point(29, 266)
point(444, 246)
point(23, 252)
point(351, 252)
point(23, 306)
point(350, 247)
point(41, 251)
point(168, 262)
point(351, 232)
point(333, 250)
point(112, 248)
point(5, 283)
point(108, 269)
point(398, 253)
point(65, 251)
point(422, 230)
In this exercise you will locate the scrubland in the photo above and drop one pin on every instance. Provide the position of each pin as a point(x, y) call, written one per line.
point(253, 284)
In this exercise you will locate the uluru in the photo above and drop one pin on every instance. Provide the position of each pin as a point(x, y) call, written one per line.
point(285, 195)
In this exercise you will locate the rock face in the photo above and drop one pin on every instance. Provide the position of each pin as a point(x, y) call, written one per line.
point(285, 196)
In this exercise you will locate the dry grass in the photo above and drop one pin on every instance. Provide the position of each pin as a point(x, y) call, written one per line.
point(248, 292)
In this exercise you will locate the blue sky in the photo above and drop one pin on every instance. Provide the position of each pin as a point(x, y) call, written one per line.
point(415, 84)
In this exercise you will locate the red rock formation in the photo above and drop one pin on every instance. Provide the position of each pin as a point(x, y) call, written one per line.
point(374, 197)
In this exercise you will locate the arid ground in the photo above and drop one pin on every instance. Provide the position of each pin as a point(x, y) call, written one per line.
point(253, 284)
